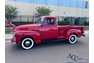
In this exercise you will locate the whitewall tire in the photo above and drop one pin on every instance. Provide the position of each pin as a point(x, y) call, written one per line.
point(27, 43)
point(72, 39)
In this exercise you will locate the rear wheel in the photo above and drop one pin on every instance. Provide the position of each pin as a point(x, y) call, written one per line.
point(27, 43)
point(72, 39)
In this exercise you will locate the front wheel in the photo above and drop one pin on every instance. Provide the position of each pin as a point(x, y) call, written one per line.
point(27, 43)
point(72, 39)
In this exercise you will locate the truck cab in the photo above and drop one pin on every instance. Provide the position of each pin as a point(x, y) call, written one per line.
point(45, 28)
point(49, 29)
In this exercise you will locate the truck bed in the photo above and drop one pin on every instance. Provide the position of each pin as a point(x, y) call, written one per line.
point(63, 29)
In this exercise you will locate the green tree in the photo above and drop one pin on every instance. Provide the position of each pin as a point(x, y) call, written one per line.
point(42, 11)
point(10, 12)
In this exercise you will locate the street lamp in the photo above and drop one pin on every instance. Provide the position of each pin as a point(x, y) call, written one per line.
point(58, 10)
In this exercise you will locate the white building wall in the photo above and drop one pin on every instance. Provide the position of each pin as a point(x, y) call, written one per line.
point(29, 9)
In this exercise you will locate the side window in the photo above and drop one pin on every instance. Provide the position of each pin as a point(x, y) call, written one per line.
point(49, 21)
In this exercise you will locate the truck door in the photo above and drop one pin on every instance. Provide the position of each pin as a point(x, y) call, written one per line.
point(49, 29)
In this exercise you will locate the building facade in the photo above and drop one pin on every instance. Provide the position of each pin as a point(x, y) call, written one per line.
point(73, 10)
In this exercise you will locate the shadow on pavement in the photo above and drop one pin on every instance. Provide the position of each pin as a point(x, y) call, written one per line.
point(46, 44)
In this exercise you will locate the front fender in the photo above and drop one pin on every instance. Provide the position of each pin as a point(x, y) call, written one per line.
point(23, 34)
point(73, 31)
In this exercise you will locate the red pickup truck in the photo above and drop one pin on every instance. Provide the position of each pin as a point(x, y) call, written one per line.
point(46, 28)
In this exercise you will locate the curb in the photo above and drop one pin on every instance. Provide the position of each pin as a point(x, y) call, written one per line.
point(8, 36)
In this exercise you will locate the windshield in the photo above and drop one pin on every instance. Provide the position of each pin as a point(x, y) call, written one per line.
point(40, 20)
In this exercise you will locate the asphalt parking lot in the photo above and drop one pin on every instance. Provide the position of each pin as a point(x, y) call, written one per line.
point(49, 52)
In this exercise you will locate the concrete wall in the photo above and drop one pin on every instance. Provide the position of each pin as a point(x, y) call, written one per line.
point(29, 9)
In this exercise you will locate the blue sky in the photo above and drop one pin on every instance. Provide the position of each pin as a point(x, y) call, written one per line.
point(66, 3)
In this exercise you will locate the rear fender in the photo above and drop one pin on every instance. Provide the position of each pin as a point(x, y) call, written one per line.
point(73, 31)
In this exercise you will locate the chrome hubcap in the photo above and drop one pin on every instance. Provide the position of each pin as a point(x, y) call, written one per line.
point(27, 42)
point(72, 38)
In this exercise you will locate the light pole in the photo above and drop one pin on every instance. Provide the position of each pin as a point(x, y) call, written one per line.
point(77, 9)
point(58, 10)
point(70, 13)
point(33, 11)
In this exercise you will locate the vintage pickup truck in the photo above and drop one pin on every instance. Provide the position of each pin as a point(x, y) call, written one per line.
point(45, 28)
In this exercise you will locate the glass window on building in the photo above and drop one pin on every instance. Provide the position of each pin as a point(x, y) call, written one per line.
point(71, 20)
point(86, 4)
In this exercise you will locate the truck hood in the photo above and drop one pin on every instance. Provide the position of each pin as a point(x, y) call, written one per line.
point(28, 27)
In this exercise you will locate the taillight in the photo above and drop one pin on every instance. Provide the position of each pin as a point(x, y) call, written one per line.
point(82, 29)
